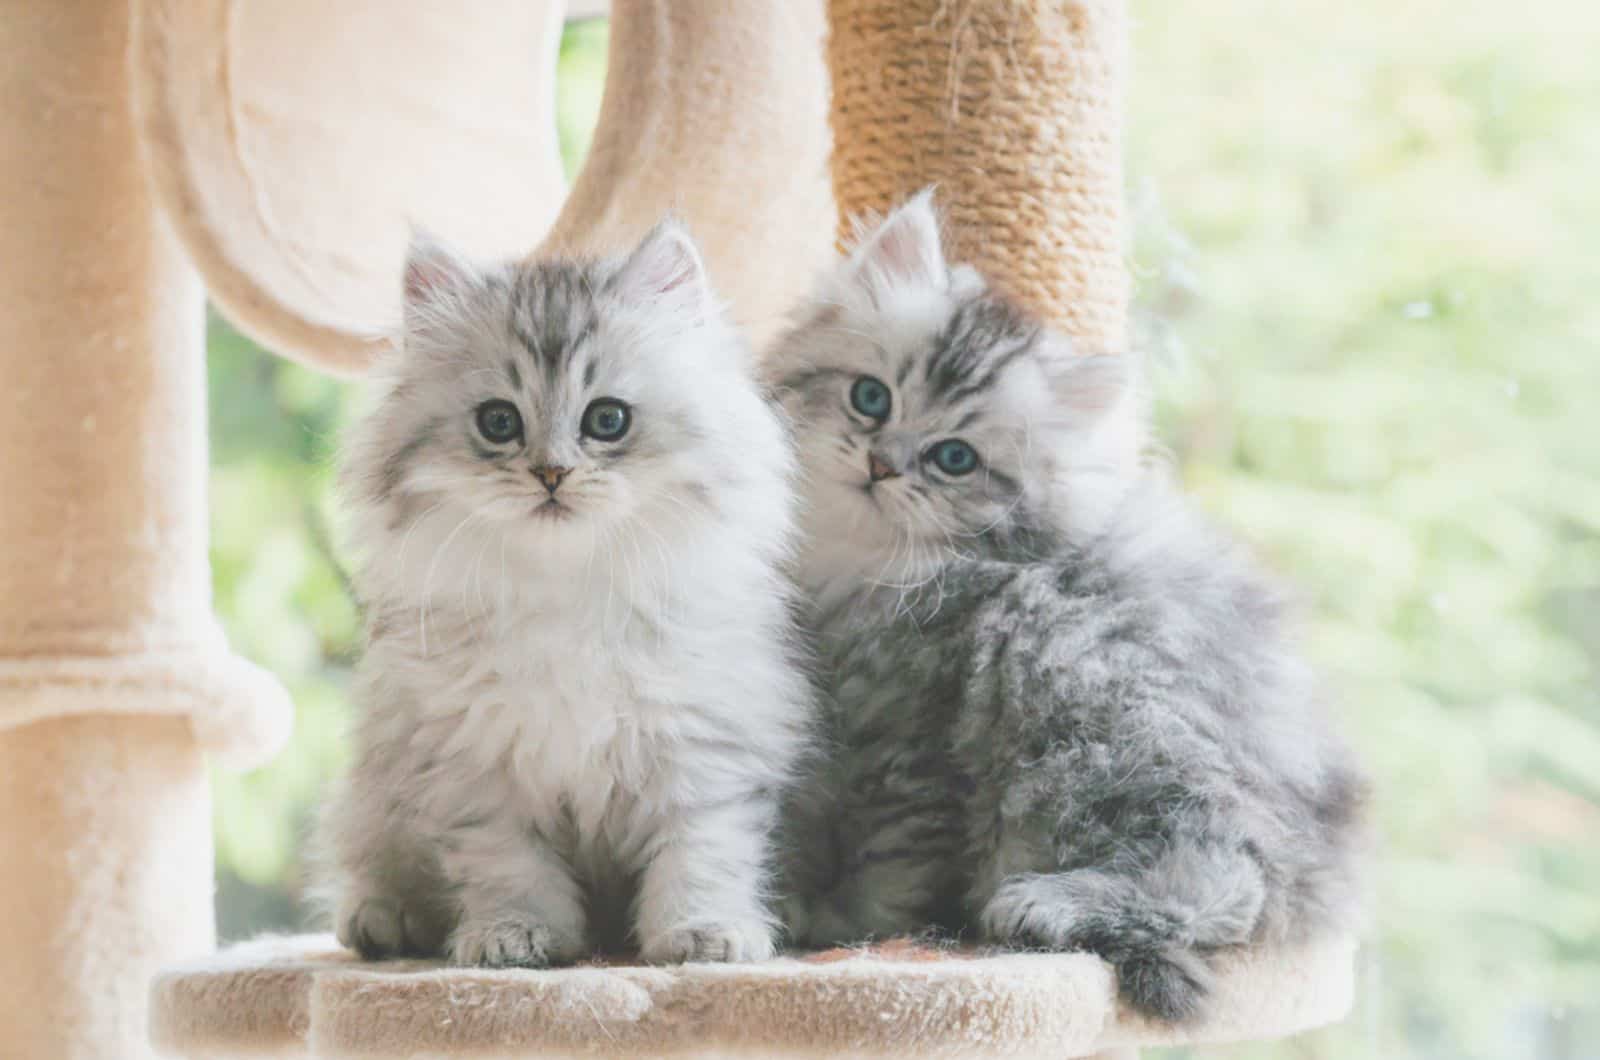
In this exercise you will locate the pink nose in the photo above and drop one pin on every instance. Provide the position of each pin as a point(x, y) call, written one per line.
point(878, 469)
point(551, 476)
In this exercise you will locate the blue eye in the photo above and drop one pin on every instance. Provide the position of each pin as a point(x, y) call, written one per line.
point(870, 397)
point(606, 419)
point(499, 422)
point(955, 457)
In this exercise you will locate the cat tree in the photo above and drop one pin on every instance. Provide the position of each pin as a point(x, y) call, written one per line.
point(270, 153)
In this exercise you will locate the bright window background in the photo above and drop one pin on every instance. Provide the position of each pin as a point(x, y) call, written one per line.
point(1367, 245)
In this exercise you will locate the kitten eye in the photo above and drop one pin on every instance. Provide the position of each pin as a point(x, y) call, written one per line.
point(870, 397)
point(606, 419)
point(499, 422)
point(955, 457)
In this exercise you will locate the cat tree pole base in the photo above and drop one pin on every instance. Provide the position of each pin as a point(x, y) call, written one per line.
point(115, 681)
point(304, 998)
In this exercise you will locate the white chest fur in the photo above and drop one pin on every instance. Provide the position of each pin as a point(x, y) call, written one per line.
point(576, 723)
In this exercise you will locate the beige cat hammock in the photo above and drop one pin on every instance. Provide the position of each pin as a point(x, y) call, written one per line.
point(269, 153)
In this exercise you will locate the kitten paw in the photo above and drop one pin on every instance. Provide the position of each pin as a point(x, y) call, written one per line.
point(1030, 911)
point(735, 941)
point(378, 928)
point(506, 942)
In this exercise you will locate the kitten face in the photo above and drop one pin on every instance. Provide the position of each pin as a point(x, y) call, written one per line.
point(539, 407)
point(934, 419)
point(923, 434)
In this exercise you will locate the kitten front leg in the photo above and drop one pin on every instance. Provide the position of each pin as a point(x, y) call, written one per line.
point(701, 895)
point(808, 862)
point(893, 870)
point(383, 881)
point(884, 893)
point(520, 905)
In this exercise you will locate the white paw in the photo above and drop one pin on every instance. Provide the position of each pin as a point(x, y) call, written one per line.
point(733, 941)
point(506, 942)
point(1029, 911)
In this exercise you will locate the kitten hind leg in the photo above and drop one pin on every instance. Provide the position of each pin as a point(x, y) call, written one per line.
point(808, 860)
point(876, 901)
point(898, 880)
point(1153, 923)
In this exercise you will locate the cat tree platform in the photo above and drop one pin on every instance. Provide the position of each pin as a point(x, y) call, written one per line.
point(269, 155)
point(305, 997)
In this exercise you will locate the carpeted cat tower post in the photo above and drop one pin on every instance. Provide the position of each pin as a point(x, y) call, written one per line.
point(272, 153)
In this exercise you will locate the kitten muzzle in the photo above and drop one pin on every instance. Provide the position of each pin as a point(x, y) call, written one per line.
point(551, 476)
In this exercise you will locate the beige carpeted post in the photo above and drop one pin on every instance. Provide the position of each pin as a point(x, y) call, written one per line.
point(716, 112)
point(1015, 111)
point(113, 676)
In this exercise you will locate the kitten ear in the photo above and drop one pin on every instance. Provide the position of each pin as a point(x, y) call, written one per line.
point(1090, 386)
point(665, 269)
point(435, 278)
point(905, 249)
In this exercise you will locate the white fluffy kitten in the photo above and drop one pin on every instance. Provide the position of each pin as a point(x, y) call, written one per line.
point(577, 699)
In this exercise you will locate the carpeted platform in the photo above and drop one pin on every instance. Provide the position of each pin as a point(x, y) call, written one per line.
point(305, 997)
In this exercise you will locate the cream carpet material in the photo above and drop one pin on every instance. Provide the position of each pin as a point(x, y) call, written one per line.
point(236, 710)
point(105, 877)
point(115, 679)
point(715, 110)
point(292, 144)
point(305, 997)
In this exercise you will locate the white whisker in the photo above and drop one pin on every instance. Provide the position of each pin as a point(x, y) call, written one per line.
point(438, 554)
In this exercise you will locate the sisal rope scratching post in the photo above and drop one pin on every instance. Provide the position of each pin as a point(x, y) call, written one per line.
point(1014, 110)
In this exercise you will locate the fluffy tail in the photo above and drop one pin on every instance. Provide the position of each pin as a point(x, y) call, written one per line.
point(1154, 923)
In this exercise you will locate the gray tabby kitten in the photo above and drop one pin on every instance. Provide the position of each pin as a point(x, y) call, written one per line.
point(1062, 711)
point(577, 700)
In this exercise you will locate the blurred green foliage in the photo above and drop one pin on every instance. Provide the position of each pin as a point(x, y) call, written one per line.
point(1364, 242)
